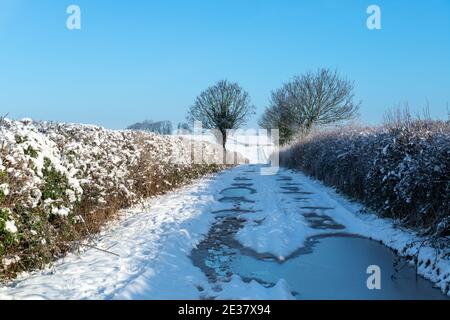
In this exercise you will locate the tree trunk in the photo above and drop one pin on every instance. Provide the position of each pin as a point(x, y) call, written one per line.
point(224, 148)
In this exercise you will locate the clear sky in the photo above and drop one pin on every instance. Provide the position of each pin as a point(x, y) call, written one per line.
point(135, 60)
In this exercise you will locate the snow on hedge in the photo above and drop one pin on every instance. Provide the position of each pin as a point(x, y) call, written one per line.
point(55, 177)
point(401, 170)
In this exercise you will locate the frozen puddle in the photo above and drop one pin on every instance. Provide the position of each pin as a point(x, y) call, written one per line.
point(313, 272)
point(238, 191)
point(330, 265)
point(319, 273)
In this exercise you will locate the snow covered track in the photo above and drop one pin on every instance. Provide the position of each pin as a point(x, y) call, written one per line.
point(184, 245)
point(145, 239)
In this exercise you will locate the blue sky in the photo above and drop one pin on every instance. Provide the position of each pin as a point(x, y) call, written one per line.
point(135, 60)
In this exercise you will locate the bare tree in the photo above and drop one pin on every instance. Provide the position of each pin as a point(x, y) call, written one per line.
point(313, 99)
point(2, 119)
point(223, 106)
point(183, 128)
point(279, 116)
point(321, 98)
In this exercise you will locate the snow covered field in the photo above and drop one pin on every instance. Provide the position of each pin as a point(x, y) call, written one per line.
point(256, 147)
point(149, 248)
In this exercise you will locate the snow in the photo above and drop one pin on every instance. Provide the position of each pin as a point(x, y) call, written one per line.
point(10, 226)
point(237, 289)
point(4, 188)
point(254, 146)
point(149, 246)
point(282, 230)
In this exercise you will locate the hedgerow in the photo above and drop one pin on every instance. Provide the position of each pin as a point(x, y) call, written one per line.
point(400, 170)
point(60, 183)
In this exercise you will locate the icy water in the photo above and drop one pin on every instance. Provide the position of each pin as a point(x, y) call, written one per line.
point(335, 269)
point(329, 266)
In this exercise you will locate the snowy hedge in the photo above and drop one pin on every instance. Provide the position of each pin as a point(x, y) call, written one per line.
point(61, 182)
point(401, 171)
